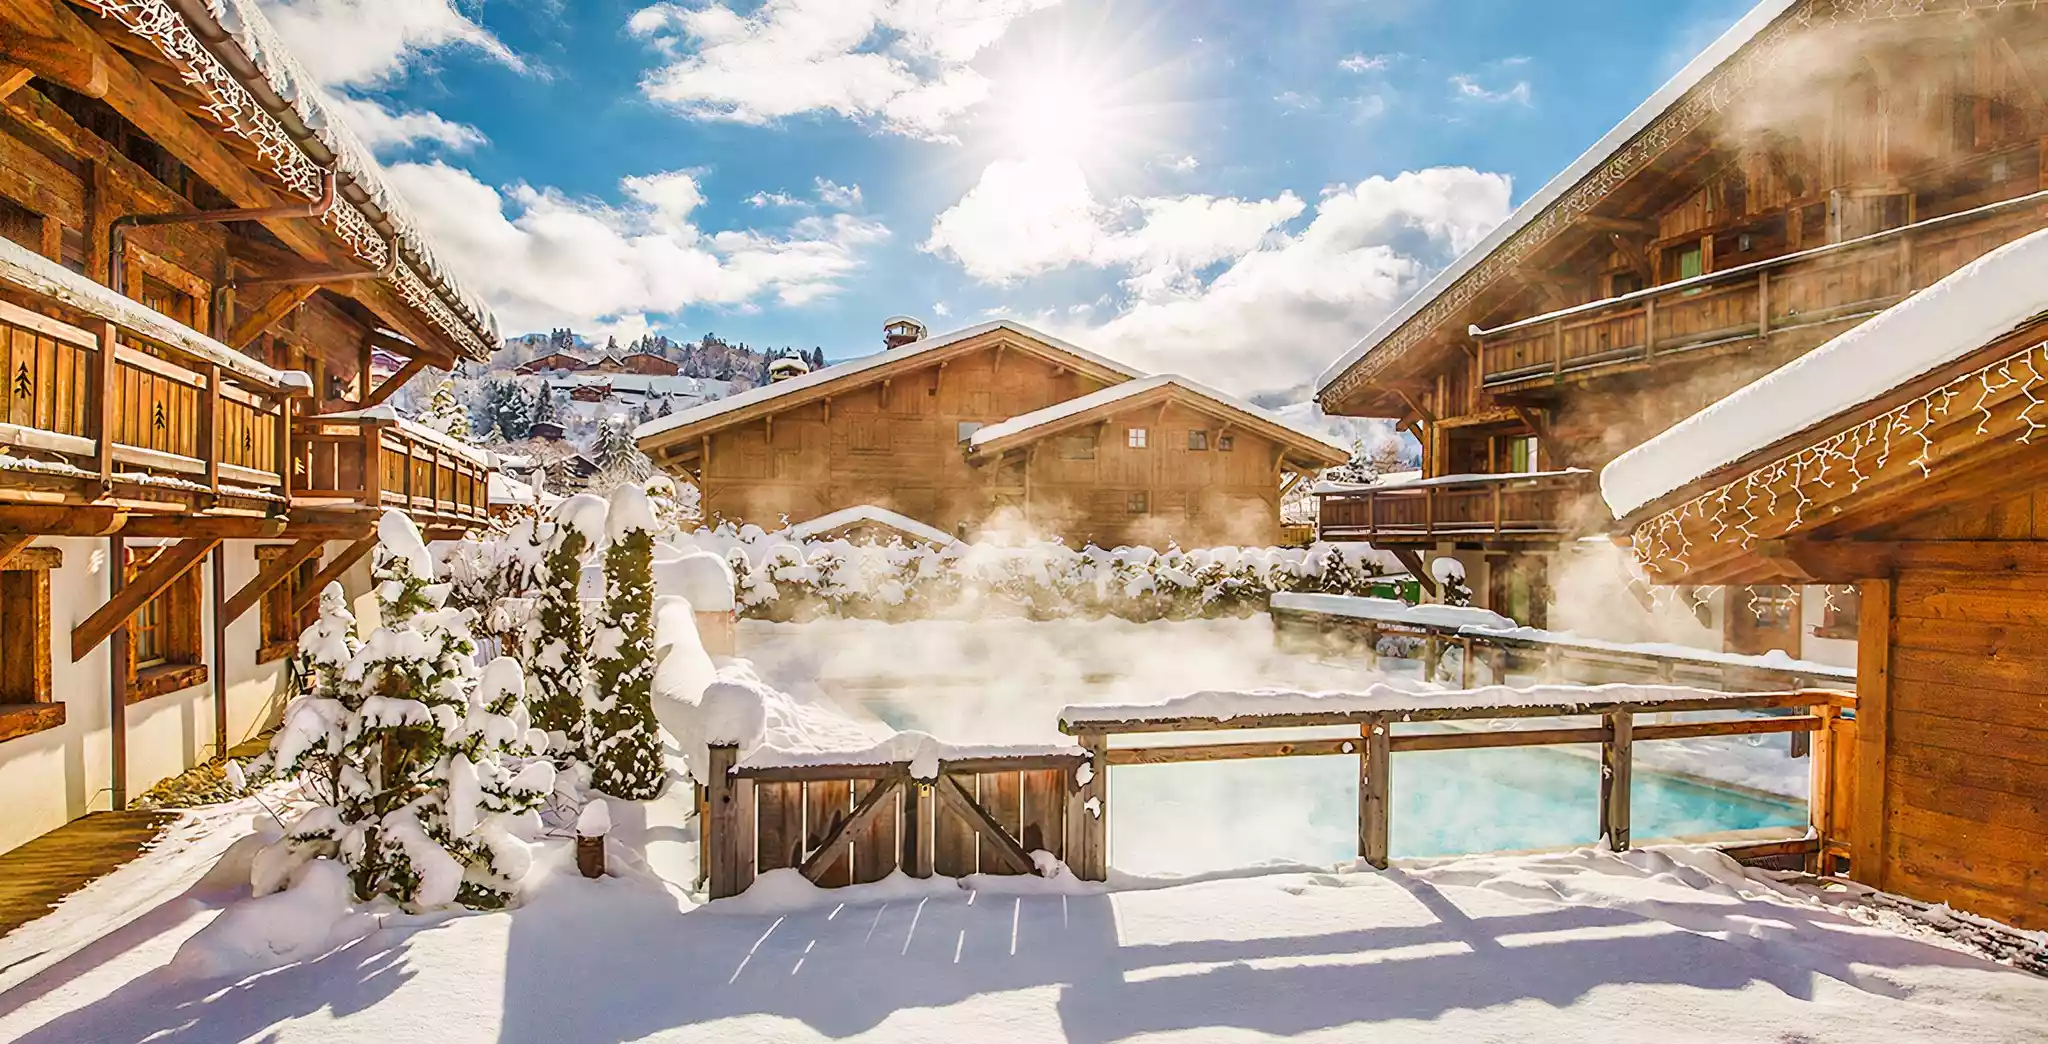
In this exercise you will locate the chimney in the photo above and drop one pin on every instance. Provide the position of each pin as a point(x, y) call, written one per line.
point(899, 330)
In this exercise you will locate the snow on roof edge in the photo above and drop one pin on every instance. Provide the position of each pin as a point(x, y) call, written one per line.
point(837, 371)
point(1723, 48)
point(1962, 312)
point(1081, 404)
point(870, 513)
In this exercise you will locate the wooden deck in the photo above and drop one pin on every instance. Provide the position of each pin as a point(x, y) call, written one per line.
point(36, 876)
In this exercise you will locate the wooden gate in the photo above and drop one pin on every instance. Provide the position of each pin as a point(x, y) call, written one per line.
point(854, 824)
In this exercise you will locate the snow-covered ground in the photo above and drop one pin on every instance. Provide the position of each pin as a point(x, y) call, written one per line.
point(1670, 944)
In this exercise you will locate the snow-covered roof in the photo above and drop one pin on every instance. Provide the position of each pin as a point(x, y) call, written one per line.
point(505, 489)
point(387, 414)
point(870, 513)
point(1966, 310)
point(1695, 71)
point(1391, 610)
point(1414, 480)
point(1060, 411)
point(229, 52)
point(854, 367)
point(641, 383)
point(46, 278)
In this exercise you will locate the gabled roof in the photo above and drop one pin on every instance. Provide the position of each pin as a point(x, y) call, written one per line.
point(829, 380)
point(1086, 409)
point(869, 514)
point(1591, 174)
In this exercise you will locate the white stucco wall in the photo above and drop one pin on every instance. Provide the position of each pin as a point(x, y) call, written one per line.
point(57, 775)
point(1841, 652)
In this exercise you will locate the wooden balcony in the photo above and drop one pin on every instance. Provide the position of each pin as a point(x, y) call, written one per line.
point(374, 460)
point(1522, 509)
point(113, 404)
point(1814, 293)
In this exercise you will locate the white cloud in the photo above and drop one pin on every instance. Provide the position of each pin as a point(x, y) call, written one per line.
point(774, 199)
point(1469, 88)
point(364, 42)
point(1359, 63)
point(901, 64)
point(546, 259)
point(1177, 164)
point(939, 309)
point(1279, 313)
point(833, 194)
point(383, 130)
point(1030, 216)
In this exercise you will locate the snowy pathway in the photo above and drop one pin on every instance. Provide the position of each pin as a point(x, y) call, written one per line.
point(1672, 945)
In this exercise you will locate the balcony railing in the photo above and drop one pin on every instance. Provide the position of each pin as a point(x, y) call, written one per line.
point(1842, 283)
point(1527, 507)
point(107, 399)
point(426, 474)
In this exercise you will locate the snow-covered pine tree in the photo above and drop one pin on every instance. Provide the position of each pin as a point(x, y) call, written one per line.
point(419, 764)
point(618, 457)
point(625, 746)
point(558, 642)
point(445, 412)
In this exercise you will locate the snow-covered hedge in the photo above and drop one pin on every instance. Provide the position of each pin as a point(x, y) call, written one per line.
point(781, 578)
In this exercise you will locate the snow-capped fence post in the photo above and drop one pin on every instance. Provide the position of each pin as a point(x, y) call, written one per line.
point(1374, 790)
point(1087, 840)
point(1616, 759)
point(728, 842)
point(592, 826)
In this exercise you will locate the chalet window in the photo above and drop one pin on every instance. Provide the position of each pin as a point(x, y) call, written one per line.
point(1225, 443)
point(1685, 262)
point(1077, 447)
point(1134, 438)
point(1521, 454)
point(164, 651)
point(1198, 439)
point(168, 299)
point(26, 704)
point(1138, 503)
point(1840, 608)
point(1621, 283)
point(280, 634)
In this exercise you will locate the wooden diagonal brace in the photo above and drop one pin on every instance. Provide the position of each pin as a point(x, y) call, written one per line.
point(12, 544)
point(394, 382)
point(332, 571)
point(833, 848)
point(977, 817)
point(281, 304)
point(1411, 560)
point(273, 573)
point(169, 564)
point(1540, 424)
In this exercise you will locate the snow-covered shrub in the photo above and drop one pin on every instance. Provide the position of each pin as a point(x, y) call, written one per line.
point(624, 745)
point(557, 641)
point(417, 765)
point(778, 577)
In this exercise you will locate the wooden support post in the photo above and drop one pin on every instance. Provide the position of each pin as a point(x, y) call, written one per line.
point(919, 852)
point(1375, 791)
point(1616, 760)
point(209, 426)
point(117, 671)
point(1465, 662)
point(1820, 792)
point(1874, 625)
point(219, 652)
point(1088, 827)
point(373, 465)
point(728, 842)
point(103, 372)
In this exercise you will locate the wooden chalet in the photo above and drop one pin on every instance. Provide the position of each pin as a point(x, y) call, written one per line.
point(200, 273)
point(995, 427)
point(1922, 487)
point(1821, 161)
point(553, 362)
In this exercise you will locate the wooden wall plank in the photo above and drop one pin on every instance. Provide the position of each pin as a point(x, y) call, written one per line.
point(875, 849)
point(781, 830)
point(827, 803)
point(954, 844)
point(1002, 794)
point(1044, 811)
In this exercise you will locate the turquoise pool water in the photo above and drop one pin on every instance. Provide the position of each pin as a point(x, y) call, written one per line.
point(1454, 802)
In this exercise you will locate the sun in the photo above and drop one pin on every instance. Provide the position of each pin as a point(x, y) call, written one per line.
point(1055, 114)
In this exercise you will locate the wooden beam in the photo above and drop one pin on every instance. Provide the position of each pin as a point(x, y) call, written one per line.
point(835, 847)
point(280, 305)
point(1427, 416)
point(1411, 560)
point(1637, 257)
point(1623, 226)
point(14, 77)
point(60, 521)
point(1005, 847)
point(169, 564)
point(12, 544)
point(273, 573)
point(394, 382)
point(1847, 561)
point(220, 527)
point(1195, 752)
point(332, 571)
point(1553, 452)
point(41, 45)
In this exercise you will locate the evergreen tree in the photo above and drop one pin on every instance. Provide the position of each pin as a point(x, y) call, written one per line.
point(445, 412)
point(618, 457)
point(411, 755)
point(625, 747)
point(557, 643)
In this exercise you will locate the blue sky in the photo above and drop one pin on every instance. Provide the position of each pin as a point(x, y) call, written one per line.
point(1232, 190)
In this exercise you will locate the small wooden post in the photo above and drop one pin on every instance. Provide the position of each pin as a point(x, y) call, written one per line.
point(591, 828)
point(220, 656)
point(728, 843)
point(1649, 327)
point(1616, 759)
point(373, 465)
point(1465, 662)
point(1088, 813)
point(1763, 303)
point(919, 806)
point(110, 341)
point(1374, 790)
point(117, 659)
point(1820, 794)
point(1432, 655)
